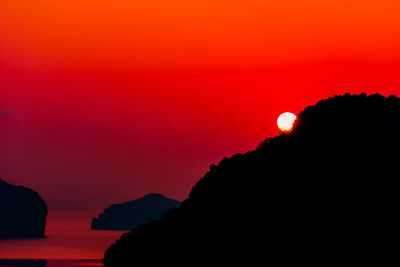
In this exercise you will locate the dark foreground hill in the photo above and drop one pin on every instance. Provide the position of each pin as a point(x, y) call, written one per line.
point(328, 192)
point(130, 215)
point(22, 211)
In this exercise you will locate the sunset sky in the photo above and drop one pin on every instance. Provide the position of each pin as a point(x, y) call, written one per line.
point(103, 101)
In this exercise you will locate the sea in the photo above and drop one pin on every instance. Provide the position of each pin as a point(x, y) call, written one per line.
point(69, 242)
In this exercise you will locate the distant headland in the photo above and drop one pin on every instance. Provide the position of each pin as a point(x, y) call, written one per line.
point(130, 215)
point(23, 212)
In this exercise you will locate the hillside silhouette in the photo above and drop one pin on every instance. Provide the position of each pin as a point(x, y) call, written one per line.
point(131, 214)
point(326, 192)
point(22, 211)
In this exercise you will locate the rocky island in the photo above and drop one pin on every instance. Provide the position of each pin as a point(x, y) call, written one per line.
point(130, 215)
point(23, 212)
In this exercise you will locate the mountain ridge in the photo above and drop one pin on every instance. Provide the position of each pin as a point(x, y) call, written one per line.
point(327, 191)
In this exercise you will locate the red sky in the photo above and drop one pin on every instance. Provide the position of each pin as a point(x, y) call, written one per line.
point(104, 101)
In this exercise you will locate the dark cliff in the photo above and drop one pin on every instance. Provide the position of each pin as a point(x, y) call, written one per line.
point(326, 192)
point(23, 212)
point(130, 215)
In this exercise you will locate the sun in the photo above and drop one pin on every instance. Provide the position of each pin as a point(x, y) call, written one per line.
point(285, 121)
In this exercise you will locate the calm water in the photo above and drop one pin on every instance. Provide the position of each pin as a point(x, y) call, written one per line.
point(48, 263)
point(68, 237)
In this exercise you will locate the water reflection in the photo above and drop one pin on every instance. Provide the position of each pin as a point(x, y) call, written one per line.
point(68, 237)
point(23, 263)
point(49, 263)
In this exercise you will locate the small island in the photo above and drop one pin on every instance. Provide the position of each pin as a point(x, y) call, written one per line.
point(23, 212)
point(130, 215)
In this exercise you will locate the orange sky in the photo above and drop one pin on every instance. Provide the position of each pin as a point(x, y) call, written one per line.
point(144, 95)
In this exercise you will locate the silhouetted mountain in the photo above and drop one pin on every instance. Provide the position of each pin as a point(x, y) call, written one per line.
point(327, 192)
point(130, 215)
point(23, 212)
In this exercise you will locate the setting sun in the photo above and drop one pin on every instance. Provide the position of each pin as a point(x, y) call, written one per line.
point(285, 121)
point(130, 129)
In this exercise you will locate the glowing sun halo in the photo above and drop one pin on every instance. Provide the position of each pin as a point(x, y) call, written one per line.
point(285, 121)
